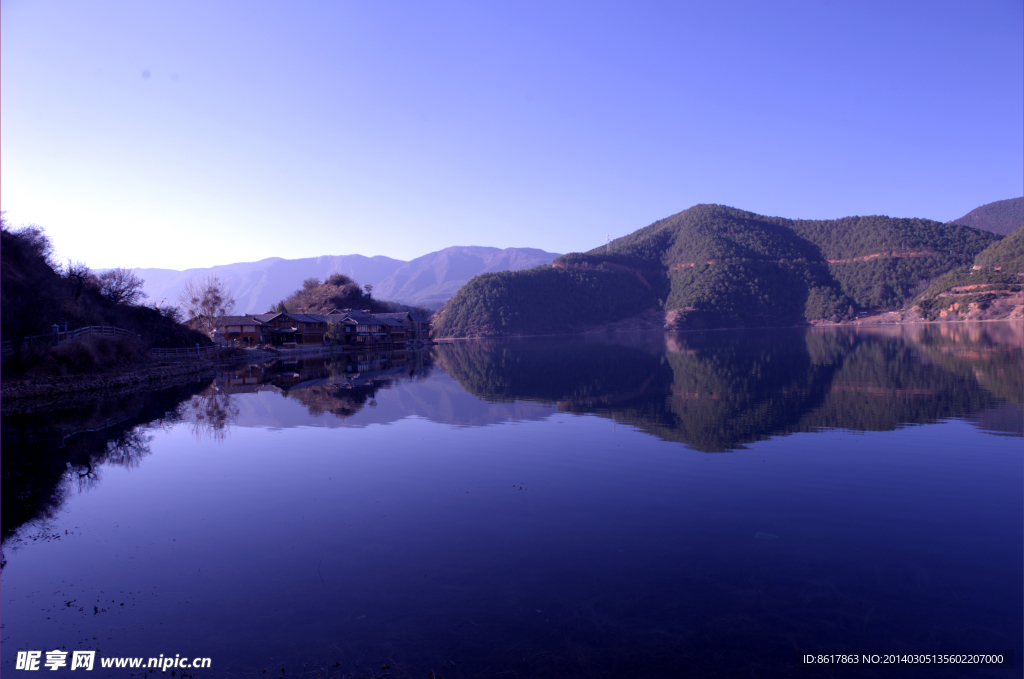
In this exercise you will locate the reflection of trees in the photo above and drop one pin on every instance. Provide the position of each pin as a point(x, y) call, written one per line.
point(719, 390)
point(48, 456)
point(128, 448)
point(209, 414)
point(886, 382)
point(990, 352)
point(575, 373)
point(735, 388)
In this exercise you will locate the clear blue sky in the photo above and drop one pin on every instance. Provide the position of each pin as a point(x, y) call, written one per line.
point(180, 134)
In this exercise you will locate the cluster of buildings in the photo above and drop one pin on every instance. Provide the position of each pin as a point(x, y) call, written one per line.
point(357, 329)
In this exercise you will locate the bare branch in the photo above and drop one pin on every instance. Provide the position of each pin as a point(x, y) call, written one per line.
point(205, 300)
point(121, 286)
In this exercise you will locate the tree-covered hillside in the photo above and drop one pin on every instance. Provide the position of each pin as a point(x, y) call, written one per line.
point(37, 293)
point(1002, 216)
point(542, 300)
point(338, 291)
point(716, 266)
point(993, 280)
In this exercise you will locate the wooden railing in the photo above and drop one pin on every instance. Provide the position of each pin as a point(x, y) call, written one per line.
point(184, 351)
point(9, 348)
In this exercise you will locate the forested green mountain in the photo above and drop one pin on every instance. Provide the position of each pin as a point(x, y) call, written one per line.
point(1002, 216)
point(541, 300)
point(716, 266)
point(993, 280)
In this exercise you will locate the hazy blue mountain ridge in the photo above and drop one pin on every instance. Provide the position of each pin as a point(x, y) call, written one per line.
point(431, 280)
point(426, 281)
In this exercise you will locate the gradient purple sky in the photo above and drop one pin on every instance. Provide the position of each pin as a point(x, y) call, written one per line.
point(190, 134)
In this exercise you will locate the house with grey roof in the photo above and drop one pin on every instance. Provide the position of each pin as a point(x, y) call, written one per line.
point(247, 330)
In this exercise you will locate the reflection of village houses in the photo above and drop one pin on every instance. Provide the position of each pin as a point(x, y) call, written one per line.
point(339, 383)
point(354, 329)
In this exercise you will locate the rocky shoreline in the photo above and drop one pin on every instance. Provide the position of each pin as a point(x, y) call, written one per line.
point(25, 395)
point(44, 393)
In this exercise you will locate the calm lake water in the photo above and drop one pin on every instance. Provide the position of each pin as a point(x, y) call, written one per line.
point(634, 505)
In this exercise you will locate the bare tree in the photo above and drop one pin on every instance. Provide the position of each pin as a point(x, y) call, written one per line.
point(79, 274)
point(204, 300)
point(121, 286)
point(211, 414)
point(368, 288)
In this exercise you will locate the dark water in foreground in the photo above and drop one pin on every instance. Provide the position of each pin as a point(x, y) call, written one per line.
point(648, 505)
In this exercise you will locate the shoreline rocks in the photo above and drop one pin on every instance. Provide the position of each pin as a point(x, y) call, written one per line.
point(34, 393)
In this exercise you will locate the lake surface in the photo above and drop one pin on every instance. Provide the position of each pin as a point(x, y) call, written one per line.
point(632, 505)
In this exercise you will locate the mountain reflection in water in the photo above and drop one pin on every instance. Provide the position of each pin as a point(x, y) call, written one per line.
point(716, 391)
point(537, 507)
point(711, 391)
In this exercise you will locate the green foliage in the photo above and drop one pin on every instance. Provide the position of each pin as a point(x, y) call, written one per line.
point(335, 334)
point(861, 236)
point(1006, 254)
point(889, 283)
point(1000, 264)
point(723, 267)
point(824, 303)
point(542, 300)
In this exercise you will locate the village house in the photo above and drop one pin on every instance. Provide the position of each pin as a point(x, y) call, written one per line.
point(416, 327)
point(246, 330)
point(288, 329)
point(379, 331)
point(362, 329)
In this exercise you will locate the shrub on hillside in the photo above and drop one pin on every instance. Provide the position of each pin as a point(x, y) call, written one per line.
point(94, 353)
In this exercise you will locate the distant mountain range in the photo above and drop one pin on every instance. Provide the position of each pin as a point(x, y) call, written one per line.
point(431, 280)
point(1002, 217)
point(713, 264)
point(427, 281)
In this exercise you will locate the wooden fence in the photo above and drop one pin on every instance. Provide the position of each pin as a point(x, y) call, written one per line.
point(8, 348)
point(185, 351)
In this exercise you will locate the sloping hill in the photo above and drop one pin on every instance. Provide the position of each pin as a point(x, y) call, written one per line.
point(716, 266)
point(543, 300)
point(1002, 216)
point(432, 279)
point(989, 287)
point(35, 294)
